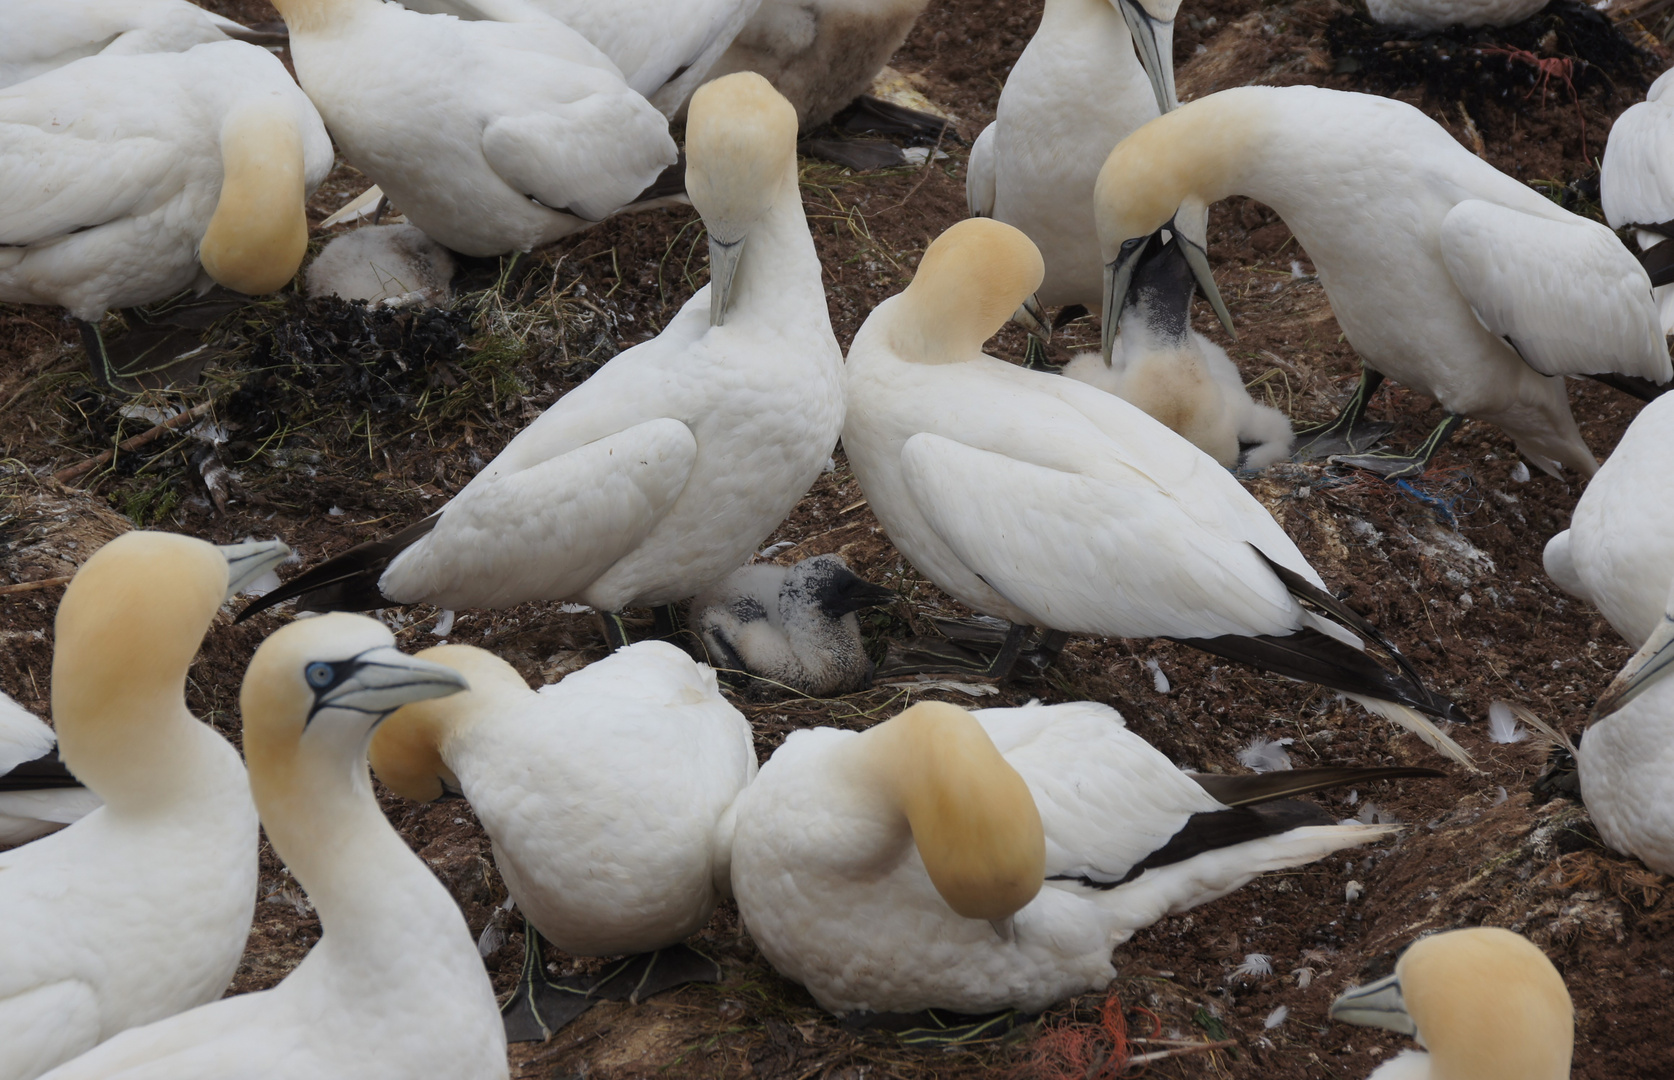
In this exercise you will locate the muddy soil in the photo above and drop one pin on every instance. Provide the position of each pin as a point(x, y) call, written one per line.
point(1448, 566)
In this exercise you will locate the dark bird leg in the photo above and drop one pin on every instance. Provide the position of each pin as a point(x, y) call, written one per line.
point(98, 358)
point(615, 630)
point(667, 625)
point(539, 1006)
point(1349, 432)
point(939, 656)
point(1393, 466)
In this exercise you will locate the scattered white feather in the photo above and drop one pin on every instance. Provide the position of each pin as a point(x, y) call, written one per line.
point(1304, 977)
point(1255, 965)
point(1499, 796)
point(574, 609)
point(1353, 796)
point(444, 625)
point(1158, 679)
point(1265, 755)
point(336, 511)
point(774, 549)
point(1520, 473)
point(1353, 891)
point(1276, 1017)
point(1373, 814)
point(1502, 724)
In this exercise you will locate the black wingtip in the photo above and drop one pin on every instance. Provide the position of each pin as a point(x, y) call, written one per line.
point(346, 582)
point(1251, 788)
point(44, 773)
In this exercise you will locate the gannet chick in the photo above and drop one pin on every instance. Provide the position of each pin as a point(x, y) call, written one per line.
point(491, 137)
point(45, 34)
point(1636, 187)
point(794, 626)
point(394, 988)
point(665, 470)
point(1178, 376)
point(1485, 1003)
point(820, 54)
point(601, 794)
point(1444, 273)
point(140, 909)
point(665, 49)
point(1093, 73)
point(131, 178)
point(1441, 14)
point(1045, 502)
point(383, 264)
point(977, 862)
point(38, 795)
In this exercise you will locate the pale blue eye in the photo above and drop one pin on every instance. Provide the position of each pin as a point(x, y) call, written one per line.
point(319, 675)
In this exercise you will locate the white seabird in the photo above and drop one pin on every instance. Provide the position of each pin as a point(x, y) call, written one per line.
point(45, 34)
point(491, 137)
point(1444, 273)
point(394, 987)
point(1484, 1002)
point(139, 910)
point(1042, 501)
point(601, 793)
point(664, 471)
point(1636, 186)
point(38, 795)
point(977, 862)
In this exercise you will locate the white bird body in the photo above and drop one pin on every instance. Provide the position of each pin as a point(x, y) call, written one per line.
point(394, 988)
point(836, 893)
point(665, 470)
point(1432, 259)
point(112, 170)
point(1618, 552)
point(664, 49)
point(45, 34)
point(1440, 14)
point(1077, 91)
point(820, 54)
point(27, 814)
point(491, 137)
point(140, 910)
point(1636, 178)
point(601, 792)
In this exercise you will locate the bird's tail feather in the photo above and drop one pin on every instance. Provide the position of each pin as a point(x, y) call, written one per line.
point(1250, 788)
point(347, 582)
point(1419, 725)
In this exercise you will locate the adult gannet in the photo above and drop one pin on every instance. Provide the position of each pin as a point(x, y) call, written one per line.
point(601, 794)
point(1618, 552)
point(1045, 502)
point(1444, 273)
point(794, 626)
point(126, 179)
point(140, 909)
point(820, 54)
point(45, 34)
point(665, 470)
point(394, 988)
point(664, 48)
point(1636, 186)
point(977, 862)
point(1485, 1002)
point(1178, 376)
point(1441, 14)
point(383, 264)
point(38, 795)
point(491, 137)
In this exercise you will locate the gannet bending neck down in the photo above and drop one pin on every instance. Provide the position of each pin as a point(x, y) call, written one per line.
point(664, 471)
point(1486, 1003)
point(140, 909)
point(1045, 502)
point(394, 988)
point(977, 862)
point(38, 795)
point(1444, 273)
point(601, 793)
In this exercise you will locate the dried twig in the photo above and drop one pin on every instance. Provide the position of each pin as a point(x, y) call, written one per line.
point(1158, 1055)
point(82, 468)
point(31, 586)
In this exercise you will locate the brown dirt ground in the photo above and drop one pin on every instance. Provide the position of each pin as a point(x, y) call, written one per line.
point(1449, 567)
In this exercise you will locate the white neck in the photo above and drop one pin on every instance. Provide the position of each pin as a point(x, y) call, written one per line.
point(779, 268)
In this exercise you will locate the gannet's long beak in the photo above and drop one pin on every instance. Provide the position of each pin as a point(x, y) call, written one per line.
point(1032, 317)
point(1153, 40)
point(1190, 226)
point(723, 267)
point(1118, 278)
point(1653, 661)
point(1377, 1004)
point(379, 681)
point(247, 562)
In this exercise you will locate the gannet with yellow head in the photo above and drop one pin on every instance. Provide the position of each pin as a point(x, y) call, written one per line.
point(131, 178)
point(394, 988)
point(1485, 1002)
point(1444, 273)
point(976, 862)
point(665, 470)
point(1045, 502)
point(140, 909)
